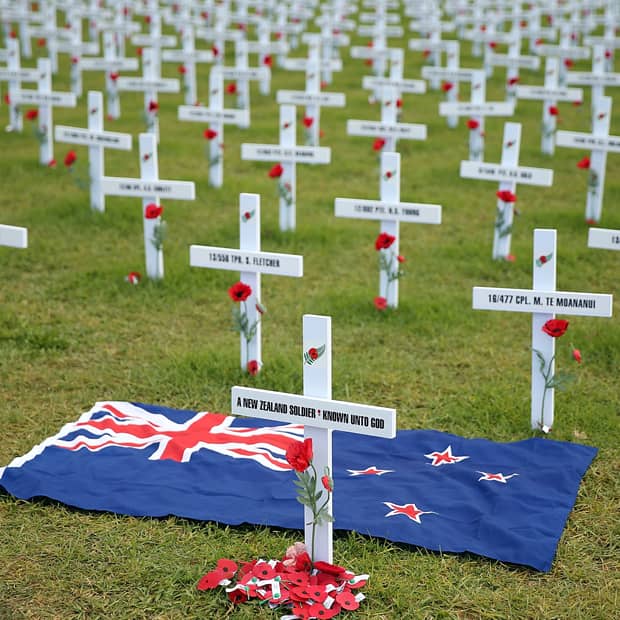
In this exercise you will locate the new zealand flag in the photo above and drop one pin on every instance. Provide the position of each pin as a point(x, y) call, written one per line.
point(443, 492)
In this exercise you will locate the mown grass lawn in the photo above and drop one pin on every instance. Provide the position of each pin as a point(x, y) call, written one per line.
point(72, 332)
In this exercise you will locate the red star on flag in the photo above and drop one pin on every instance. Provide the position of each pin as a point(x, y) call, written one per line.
point(409, 510)
point(369, 471)
point(497, 477)
point(444, 458)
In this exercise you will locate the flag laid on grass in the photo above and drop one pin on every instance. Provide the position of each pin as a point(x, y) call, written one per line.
point(508, 501)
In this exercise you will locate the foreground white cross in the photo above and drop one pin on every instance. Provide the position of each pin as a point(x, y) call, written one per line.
point(390, 211)
point(150, 188)
point(97, 140)
point(289, 155)
point(320, 415)
point(251, 262)
point(508, 173)
point(542, 301)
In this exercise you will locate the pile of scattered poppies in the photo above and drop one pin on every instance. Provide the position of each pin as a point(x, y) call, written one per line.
point(295, 584)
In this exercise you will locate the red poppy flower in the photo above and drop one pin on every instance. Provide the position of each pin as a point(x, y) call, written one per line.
point(277, 35)
point(568, 63)
point(238, 596)
point(378, 144)
point(133, 277)
point(308, 120)
point(539, 41)
point(153, 106)
point(555, 327)
point(138, 51)
point(303, 561)
point(74, 60)
point(70, 159)
point(447, 86)
point(41, 42)
point(268, 61)
point(368, 62)
point(492, 44)
point(608, 54)
point(591, 222)
point(114, 76)
point(263, 570)
point(330, 569)
point(505, 195)
point(511, 258)
point(399, 103)
point(318, 610)
point(313, 353)
point(7, 99)
point(215, 51)
point(152, 211)
point(299, 454)
point(210, 581)
point(13, 34)
point(512, 81)
point(542, 259)
point(209, 134)
point(577, 355)
point(472, 123)
point(347, 600)
point(384, 241)
point(327, 484)
point(401, 259)
point(276, 171)
point(553, 110)
point(239, 291)
point(51, 163)
point(380, 303)
point(32, 114)
point(231, 88)
point(253, 367)
point(584, 163)
point(426, 53)
point(182, 69)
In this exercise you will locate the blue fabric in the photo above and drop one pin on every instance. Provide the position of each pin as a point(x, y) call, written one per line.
point(507, 501)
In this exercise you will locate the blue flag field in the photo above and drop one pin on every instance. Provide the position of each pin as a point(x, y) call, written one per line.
point(507, 501)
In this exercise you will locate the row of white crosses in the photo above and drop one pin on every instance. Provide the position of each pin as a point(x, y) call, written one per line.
point(251, 262)
point(390, 212)
point(507, 173)
point(288, 154)
point(543, 301)
point(320, 416)
point(600, 143)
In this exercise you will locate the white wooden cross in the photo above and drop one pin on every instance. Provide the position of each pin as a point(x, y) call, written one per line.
point(216, 115)
point(388, 128)
point(97, 140)
point(513, 61)
point(48, 30)
point(13, 236)
point(328, 43)
point(188, 56)
point(507, 173)
point(150, 84)
point(542, 301)
point(45, 99)
point(251, 262)
point(15, 75)
point(112, 64)
point(312, 98)
point(477, 109)
point(598, 79)
point(550, 94)
point(434, 46)
point(320, 416)
point(600, 143)
point(390, 211)
point(150, 188)
point(288, 154)
point(604, 238)
point(154, 39)
point(266, 50)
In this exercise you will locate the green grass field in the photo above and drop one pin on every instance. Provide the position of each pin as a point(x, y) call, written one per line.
point(72, 332)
